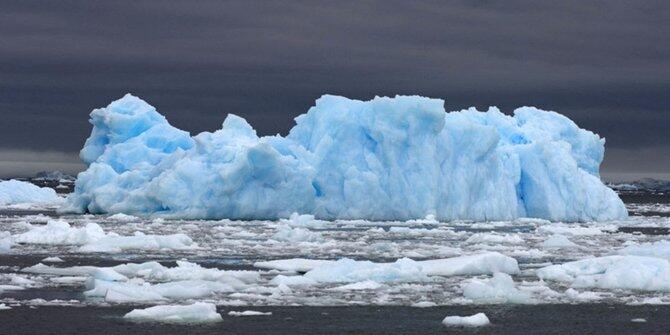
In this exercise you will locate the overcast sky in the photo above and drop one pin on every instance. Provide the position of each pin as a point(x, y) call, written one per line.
point(604, 64)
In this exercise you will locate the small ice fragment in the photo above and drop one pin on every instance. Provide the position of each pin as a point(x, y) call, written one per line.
point(52, 260)
point(198, 312)
point(289, 234)
point(638, 320)
point(4, 307)
point(499, 289)
point(424, 304)
point(477, 320)
point(248, 313)
point(362, 285)
point(122, 217)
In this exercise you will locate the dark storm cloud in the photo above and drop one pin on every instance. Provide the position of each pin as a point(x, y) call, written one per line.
point(604, 64)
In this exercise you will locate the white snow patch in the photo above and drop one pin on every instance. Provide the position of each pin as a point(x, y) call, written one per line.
point(613, 272)
point(499, 289)
point(198, 312)
point(477, 320)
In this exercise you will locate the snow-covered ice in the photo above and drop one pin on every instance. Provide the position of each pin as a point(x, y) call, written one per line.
point(195, 313)
point(92, 238)
point(13, 192)
point(384, 159)
point(498, 289)
point(477, 320)
point(613, 272)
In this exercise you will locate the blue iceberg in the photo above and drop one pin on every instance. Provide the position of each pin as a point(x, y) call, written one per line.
point(384, 159)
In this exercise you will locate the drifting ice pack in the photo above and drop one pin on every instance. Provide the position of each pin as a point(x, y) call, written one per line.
point(384, 159)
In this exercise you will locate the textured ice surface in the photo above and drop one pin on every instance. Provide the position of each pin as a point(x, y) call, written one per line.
point(477, 320)
point(92, 238)
point(499, 289)
point(613, 272)
point(195, 313)
point(13, 192)
point(384, 159)
point(221, 270)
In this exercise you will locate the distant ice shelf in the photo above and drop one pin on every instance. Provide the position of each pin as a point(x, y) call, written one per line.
point(385, 159)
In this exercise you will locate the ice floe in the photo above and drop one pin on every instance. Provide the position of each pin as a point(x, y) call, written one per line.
point(477, 320)
point(195, 313)
point(14, 192)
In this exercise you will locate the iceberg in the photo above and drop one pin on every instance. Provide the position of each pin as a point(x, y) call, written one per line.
point(387, 158)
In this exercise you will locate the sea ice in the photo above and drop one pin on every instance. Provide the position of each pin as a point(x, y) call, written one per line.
point(499, 289)
point(14, 192)
point(5, 242)
point(92, 238)
point(612, 272)
point(290, 234)
point(384, 159)
point(198, 312)
point(557, 241)
point(403, 270)
point(656, 249)
point(477, 320)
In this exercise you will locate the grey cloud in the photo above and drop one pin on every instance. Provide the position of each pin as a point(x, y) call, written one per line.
point(604, 64)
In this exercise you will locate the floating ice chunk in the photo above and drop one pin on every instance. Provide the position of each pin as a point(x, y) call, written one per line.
point(140, 241)
point(350, 271)
point(53, 260)
point(187, 271)
point(638, 320)
point(4, 307)
point(92, 238)
point(403, 270)
point(477, 264)
point(292, 265)
point(613, 272)
point(347, 270)
point(557, 242)
point(122, 217)
point(91, 271)
point(5, 242)
point(363, 285)
point(292, 280)
point(575, 230)
point(477, 320)
point(499, 289)
point(198, 312)
point(288, 234)
point(384, 159)
point(123, 292)
point(656, 249)
point(248, 313)
point(14, 192)
point(304, 221)
point(59, 232)
point(490, 238)
point(424, 304)
point(582, 296)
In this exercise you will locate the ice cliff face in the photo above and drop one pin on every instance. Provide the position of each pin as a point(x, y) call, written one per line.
point(384, 159)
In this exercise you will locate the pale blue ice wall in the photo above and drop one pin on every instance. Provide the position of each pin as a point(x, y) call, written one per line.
point(384, 159)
